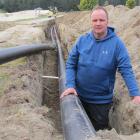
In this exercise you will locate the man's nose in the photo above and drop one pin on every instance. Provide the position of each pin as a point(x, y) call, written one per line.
point(98, 22)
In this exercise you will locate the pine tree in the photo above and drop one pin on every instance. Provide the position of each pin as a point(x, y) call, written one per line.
point(87, 4)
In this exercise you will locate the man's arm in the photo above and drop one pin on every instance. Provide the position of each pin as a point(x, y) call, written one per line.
point(71, 68)
point(125, 68)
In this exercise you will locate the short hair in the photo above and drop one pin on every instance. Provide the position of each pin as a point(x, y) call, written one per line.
point(100, 8)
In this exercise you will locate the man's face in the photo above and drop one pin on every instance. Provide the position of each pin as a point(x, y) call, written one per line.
point(99, 22)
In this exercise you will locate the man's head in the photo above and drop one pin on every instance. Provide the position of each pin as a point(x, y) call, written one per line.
point(99, 19)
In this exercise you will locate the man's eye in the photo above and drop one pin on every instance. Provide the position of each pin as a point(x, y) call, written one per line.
point(102, 20)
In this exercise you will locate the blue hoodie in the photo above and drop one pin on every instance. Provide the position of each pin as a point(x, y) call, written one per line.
point(92, 64)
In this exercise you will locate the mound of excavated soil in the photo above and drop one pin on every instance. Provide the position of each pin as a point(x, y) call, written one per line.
point(124, 116)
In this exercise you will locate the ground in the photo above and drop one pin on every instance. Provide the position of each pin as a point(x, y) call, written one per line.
point(22, 88)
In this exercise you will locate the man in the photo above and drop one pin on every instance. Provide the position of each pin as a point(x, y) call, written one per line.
point(91, 69)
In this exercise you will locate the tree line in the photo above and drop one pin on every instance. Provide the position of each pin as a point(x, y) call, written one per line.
point(89, 4)
point(116, 2)
point(18, 5)
point(62, 5)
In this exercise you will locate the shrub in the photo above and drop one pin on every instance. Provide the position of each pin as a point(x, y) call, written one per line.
point(87, 4)
point(130, 3)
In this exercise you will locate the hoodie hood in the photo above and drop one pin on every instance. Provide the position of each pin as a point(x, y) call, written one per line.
point(110, 33)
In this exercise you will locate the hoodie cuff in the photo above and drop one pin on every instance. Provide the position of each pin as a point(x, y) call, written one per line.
point(70, 86)
point(135, 93)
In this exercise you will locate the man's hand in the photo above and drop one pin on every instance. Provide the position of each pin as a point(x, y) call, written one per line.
point(69, 91)
point(136, 99)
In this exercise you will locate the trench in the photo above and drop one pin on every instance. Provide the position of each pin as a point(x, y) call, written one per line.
point(50, 89)
point(50, 96)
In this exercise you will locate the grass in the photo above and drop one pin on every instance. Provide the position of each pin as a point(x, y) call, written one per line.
point(3, 80)
point(5, 70)
point(7, 45)
point(15, 63)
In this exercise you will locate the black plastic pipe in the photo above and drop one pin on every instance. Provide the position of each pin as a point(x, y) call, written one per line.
point(75, 122)
point(8, 54)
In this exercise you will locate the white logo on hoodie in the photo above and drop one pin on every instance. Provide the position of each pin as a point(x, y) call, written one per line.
point(105, 52)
